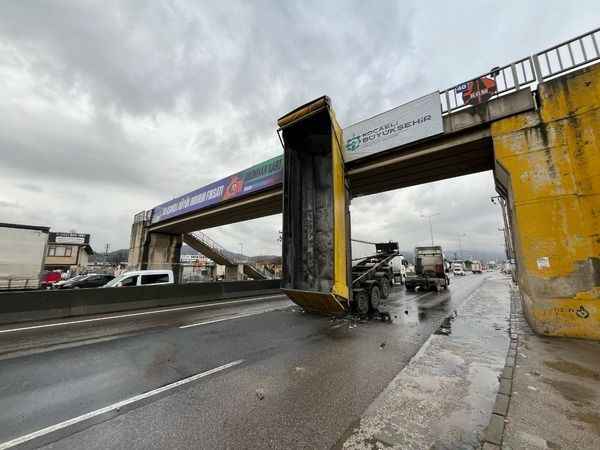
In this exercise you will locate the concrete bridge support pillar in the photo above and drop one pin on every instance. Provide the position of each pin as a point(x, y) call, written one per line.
point(234, 273)
point(137, 246)
point(151, 250)
point(164, 252)
point(548, 165)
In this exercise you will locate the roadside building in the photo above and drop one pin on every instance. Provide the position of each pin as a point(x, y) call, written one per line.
point(68, 251)
point(22, 250)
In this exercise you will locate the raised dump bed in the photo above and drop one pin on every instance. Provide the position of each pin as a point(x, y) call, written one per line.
point(316, 217)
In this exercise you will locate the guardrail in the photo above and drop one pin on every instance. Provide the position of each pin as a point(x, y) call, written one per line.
point(54, 304)
point(549, 63)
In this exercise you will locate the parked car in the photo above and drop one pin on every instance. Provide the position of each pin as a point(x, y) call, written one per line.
point(91, 280)
point(68, 280)
point(142, 278)
point(457, 271)
point(49, 279)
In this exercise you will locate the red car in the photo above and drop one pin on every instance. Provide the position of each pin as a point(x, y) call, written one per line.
point(48, 279)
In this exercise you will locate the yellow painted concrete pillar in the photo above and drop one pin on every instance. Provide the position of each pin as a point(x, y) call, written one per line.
point(552, 157)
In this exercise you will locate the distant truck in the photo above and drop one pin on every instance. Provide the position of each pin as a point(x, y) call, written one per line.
point(22, 252)
point(476, 267)
point(430, 271)
point(399, 269)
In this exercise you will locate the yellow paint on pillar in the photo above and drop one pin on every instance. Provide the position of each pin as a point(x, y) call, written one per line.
point(340, 268)
point(553, 158)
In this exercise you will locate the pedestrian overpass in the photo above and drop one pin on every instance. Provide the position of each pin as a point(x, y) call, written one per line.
point(535, 123)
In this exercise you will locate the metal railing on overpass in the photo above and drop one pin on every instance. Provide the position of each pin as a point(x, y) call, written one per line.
point(549, 63)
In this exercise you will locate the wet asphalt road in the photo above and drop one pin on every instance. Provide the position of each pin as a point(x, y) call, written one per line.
point(303, 382)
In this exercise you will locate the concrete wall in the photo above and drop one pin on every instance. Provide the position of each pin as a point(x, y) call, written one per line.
point(553, 158)
point(43, 305)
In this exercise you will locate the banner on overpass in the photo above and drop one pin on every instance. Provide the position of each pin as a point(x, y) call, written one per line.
point(411, 122)
point(256, 178)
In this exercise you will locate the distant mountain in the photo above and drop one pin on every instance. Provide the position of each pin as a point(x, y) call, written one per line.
point(121, 255)
point(187, 250)
point(272, 259)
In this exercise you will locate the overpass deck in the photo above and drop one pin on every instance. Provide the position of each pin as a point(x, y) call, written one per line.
point(465, 147)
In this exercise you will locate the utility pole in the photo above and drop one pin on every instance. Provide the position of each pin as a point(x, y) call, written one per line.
point(460, 236)
point(106, 250)
point(508, 248)
point(429, 216)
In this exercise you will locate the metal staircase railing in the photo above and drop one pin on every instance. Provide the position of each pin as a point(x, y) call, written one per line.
point(214, 246)
point(227, 255)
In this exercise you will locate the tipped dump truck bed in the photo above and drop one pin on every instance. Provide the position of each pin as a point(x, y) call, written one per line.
point(315, 253)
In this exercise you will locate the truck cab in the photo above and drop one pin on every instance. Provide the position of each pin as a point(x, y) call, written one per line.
point(430, 273)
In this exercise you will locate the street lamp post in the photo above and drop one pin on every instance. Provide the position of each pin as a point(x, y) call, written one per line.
point(429, 216)
point(460, 236)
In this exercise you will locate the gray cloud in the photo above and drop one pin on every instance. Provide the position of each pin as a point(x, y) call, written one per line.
point(112, 107)
point(4, 204)
point(30, 187)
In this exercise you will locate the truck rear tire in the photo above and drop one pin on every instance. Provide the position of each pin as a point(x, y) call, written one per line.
point(362, 302)
point(375, 298)
point(385, 288)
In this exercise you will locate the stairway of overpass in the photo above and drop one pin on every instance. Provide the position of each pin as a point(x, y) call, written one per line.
point(202, 243)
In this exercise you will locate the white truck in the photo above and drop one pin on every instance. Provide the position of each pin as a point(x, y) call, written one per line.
point(22, 253)
point(399, 268)
point(476, 267)
point(430, 271)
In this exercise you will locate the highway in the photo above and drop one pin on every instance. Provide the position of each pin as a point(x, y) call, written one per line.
point(252, 373)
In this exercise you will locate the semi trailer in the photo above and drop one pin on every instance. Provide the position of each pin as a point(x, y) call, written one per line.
point(429, 270)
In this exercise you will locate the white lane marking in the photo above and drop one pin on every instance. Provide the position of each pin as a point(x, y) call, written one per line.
point(115, 406)
point(160, 311)
point(237, 316)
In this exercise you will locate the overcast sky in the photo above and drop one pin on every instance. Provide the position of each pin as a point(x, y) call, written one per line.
point(108, 108)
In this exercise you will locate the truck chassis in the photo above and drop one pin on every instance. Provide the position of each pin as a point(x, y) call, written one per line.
point(372, 278)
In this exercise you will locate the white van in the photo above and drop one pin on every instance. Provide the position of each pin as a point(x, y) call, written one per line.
point(142, 278)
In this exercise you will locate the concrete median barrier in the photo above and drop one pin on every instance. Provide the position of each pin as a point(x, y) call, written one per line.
point(44, 305)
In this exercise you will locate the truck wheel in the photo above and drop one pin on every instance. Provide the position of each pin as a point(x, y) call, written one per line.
point(385, 288)
point(362, 302)
point(375, 297)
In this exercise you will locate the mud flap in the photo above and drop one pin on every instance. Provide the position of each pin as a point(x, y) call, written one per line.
point(317, 302)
